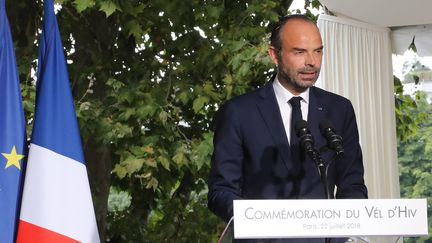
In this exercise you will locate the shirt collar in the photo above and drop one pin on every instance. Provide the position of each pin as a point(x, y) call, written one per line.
point(283, 94)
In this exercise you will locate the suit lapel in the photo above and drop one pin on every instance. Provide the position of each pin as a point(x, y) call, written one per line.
point(269, 110)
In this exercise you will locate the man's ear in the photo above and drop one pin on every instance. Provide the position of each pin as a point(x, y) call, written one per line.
point(274, 54)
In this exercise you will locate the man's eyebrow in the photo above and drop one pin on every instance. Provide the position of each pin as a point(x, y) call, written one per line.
point(298, 49)
point(302, 49)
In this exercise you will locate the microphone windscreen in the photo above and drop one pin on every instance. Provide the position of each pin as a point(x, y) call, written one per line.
point(325, 125)
point(299, 126)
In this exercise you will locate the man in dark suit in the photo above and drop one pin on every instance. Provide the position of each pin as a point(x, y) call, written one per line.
point(252, 156)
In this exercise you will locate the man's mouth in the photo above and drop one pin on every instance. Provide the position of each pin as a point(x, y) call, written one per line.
point(307, 75)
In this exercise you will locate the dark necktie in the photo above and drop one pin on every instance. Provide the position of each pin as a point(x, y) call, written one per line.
point(296, 116)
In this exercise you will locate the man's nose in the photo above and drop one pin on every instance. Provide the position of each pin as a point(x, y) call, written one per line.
point(310, 60)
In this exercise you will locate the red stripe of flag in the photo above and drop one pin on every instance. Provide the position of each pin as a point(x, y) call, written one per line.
point(32, 233)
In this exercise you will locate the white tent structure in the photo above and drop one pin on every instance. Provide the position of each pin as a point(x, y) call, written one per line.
point(406, 19)
point(359, 39)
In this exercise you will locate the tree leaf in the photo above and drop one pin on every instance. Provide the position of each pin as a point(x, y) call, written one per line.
point(120, 171)
point(163, 116)
point(134, 29)
point(164, 162)
point(179, 158)
point(82, 5)
point(199, 103)
point(108, 7)
point(153, 183)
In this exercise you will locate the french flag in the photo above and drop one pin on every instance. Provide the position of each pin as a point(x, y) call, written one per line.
point(56, 204)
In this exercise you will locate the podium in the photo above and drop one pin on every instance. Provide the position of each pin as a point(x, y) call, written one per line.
point(350, 218)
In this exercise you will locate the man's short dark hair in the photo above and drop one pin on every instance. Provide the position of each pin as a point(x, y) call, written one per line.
point(275, 39)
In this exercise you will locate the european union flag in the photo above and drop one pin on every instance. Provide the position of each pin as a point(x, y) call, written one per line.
point(12, 134)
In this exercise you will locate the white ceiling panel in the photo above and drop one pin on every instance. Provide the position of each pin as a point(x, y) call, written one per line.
point(384, 13)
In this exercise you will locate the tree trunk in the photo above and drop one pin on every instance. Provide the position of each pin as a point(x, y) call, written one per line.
point(99, 165)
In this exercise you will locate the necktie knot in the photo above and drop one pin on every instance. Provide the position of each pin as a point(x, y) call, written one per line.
point(296, 114)
point(295, 101)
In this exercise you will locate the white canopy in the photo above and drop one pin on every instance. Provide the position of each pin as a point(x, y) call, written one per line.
point(407, 19)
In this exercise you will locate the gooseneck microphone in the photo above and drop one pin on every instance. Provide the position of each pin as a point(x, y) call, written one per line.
point(305, 137)
point(307, 143)
point(334, 141)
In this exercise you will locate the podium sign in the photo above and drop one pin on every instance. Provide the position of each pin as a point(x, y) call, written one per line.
point(254, 219)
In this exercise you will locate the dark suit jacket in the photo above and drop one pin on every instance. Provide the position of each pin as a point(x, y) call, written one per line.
point(252, 160)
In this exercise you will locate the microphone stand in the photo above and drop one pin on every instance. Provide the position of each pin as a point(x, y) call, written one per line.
point(322, 169)
point(306, 141)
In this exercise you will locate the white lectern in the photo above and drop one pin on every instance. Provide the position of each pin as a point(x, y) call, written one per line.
point(267, 219)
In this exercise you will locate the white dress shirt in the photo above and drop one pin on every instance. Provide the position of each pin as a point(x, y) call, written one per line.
point(282, 97)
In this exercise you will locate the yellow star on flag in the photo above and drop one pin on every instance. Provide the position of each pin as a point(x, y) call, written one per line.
point(13, 158)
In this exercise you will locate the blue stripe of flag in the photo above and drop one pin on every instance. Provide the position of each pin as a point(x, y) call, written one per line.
point(56, 126)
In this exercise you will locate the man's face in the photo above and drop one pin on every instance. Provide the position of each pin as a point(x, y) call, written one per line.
point(299, 60)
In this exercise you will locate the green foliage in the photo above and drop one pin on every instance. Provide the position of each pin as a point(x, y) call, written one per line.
point(108, 7)
point(415, 161)
point(82, 5)
point(414, 130)
point(414, 133)
point(406, 124)
point(118, 201)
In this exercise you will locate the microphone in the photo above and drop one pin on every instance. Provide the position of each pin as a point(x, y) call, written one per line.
point(305, 137)
point(334, 141)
